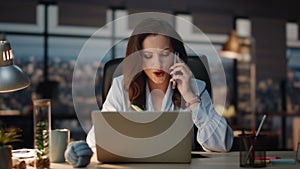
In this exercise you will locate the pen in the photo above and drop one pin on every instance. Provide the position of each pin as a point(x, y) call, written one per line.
point(174, 61)
point(136, 108)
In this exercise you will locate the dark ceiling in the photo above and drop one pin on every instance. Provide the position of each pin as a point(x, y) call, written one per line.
point(288, 9)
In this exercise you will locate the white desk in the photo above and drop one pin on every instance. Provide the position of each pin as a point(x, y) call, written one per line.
point(213, 161)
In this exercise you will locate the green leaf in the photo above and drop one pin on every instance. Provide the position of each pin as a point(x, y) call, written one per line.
point(9, 136)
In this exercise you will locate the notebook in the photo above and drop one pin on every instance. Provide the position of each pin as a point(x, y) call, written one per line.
point(143, 137)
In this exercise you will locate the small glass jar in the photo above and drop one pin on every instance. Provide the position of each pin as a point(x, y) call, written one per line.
point(42, 126)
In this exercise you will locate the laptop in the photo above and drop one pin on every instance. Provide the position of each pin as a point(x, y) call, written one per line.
point(143, 137)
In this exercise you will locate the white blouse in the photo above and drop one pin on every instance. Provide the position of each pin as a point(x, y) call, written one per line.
point(213, 132)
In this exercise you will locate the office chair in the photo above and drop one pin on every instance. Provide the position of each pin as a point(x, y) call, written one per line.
point(109, 72)
point(198, 65)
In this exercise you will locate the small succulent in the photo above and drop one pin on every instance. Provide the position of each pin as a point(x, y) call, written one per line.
point(9, 136)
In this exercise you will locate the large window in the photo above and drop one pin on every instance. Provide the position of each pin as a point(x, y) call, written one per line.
point(65, 44)
point(293, 80)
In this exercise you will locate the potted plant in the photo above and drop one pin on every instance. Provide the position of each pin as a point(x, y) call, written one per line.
point(7, 136)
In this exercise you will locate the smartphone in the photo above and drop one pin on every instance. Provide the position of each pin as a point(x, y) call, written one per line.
point(174, 61)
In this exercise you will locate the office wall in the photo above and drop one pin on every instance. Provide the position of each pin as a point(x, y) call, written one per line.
point(271, 48)
point(15, 11)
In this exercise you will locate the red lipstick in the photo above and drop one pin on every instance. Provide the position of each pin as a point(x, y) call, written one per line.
point(159, 73)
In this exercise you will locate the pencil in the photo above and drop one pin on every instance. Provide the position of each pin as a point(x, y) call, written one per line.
point(136, 108)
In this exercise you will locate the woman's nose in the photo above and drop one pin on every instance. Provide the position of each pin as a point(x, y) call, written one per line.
point(157, 61)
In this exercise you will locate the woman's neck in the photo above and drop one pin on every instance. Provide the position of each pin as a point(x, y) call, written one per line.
point(157, 92)
point(154, 86)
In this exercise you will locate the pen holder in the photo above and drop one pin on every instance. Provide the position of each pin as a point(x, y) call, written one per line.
point(252, 153)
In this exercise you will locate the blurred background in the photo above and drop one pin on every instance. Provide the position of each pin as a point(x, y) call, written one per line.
point(47, 35)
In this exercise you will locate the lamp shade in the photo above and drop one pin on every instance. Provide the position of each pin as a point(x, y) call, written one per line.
point(231, 48)
point(12, 78)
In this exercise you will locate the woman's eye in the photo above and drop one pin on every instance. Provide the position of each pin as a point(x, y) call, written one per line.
point(165, 54)
point(147, 55)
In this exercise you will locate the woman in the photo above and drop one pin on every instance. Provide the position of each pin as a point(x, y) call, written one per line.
point(156, 78)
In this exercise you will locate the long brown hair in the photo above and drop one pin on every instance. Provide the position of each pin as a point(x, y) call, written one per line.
point(134, 76)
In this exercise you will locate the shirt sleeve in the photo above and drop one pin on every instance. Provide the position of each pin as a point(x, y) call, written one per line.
point(214, 134)
point(113, 102)
point(114, 99)
point(90, 139)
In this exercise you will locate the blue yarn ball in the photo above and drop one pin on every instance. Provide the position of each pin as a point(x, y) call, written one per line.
point(78, 154)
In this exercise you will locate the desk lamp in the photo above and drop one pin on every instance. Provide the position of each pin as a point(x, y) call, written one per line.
point(231, 48)
point(12, 78)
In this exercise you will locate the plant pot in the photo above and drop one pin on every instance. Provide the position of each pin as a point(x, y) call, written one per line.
point(6, 154)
